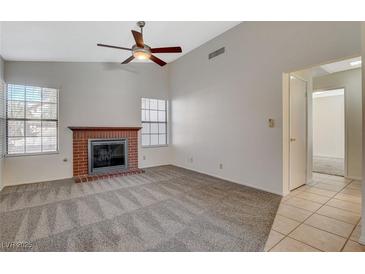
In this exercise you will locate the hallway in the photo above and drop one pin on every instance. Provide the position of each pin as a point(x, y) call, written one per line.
point(329, 165)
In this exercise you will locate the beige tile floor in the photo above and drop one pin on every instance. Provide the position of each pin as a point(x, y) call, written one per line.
point(322, 216)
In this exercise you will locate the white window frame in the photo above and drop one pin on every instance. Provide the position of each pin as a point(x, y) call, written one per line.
point(157, 122)
point(20, 119)
point(2, 119)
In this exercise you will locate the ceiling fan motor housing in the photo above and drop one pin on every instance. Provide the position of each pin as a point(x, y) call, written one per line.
point(141, 24)
point(141, 53)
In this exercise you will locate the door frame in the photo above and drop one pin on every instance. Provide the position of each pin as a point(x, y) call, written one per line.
point(309, 137)
point(345, 123)
point(286, 133)
point(306, 125)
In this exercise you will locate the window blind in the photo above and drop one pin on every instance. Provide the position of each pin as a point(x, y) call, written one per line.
point(2, 119)
point(31, 119)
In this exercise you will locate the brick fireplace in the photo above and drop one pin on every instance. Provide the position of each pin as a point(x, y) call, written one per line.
point(81, 137)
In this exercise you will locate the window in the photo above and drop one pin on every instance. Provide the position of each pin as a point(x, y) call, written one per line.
point(2, 119)
point(154, 122)
point(32, 119)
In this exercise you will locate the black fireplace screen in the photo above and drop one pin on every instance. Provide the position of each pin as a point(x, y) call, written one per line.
point(107, 155)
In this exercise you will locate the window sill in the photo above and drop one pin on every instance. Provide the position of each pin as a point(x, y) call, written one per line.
point(31, 154)
point(155, 146)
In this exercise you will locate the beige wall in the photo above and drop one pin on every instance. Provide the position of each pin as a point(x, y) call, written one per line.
point(91, 94)
point(350, 80)
point(329, 126)
point(220, 107)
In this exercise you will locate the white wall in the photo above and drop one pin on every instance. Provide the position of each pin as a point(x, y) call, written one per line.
point(220, 107)
point(350, 80)
point(91, 94)
point(329, 126)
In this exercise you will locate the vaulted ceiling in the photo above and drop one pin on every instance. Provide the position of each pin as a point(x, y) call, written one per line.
point(76, 41)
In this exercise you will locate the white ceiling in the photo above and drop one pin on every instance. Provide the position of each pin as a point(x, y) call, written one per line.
point(76, 41)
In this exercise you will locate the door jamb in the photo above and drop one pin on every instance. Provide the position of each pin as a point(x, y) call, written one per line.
point(306, 126)
point(286, 132)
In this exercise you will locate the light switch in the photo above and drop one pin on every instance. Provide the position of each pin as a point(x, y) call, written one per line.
point(271, 122)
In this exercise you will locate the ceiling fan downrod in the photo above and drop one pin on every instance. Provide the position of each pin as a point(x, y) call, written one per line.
point(141, 24)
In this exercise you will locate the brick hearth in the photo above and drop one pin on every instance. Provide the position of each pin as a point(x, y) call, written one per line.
point(81, 135)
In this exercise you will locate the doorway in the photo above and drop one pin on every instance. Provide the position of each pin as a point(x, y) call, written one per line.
point(304, 149)
point(328, 113)
point(322, 148)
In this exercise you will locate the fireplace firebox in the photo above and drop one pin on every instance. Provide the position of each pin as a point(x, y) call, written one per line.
point(107, 155)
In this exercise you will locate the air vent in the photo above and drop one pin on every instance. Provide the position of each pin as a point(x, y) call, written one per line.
point(216, 53)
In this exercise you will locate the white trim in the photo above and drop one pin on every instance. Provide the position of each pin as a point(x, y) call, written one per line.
point(291, 76)
point(154, 146)
point(31, 154)
point(286, 151)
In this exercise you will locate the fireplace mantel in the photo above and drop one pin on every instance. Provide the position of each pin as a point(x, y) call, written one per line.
point(74, 128)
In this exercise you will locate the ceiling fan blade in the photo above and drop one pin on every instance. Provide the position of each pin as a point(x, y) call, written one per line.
point(138, 38)
point(166, 50)
point(157, 60)
point(114, 47)
point(126, 61)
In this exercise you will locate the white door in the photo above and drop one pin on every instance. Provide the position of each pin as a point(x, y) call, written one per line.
point(298, 132)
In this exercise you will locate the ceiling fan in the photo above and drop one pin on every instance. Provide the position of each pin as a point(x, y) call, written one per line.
point(142, 51)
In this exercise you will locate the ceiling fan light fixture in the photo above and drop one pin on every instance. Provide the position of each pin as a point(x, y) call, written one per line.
point(141, 53)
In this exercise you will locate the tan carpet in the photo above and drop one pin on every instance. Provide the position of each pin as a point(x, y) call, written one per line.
point(329, 165)
point(165, 209)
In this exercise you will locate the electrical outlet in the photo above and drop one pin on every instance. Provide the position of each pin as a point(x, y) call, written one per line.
point(191, 159)
point(220, 166)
